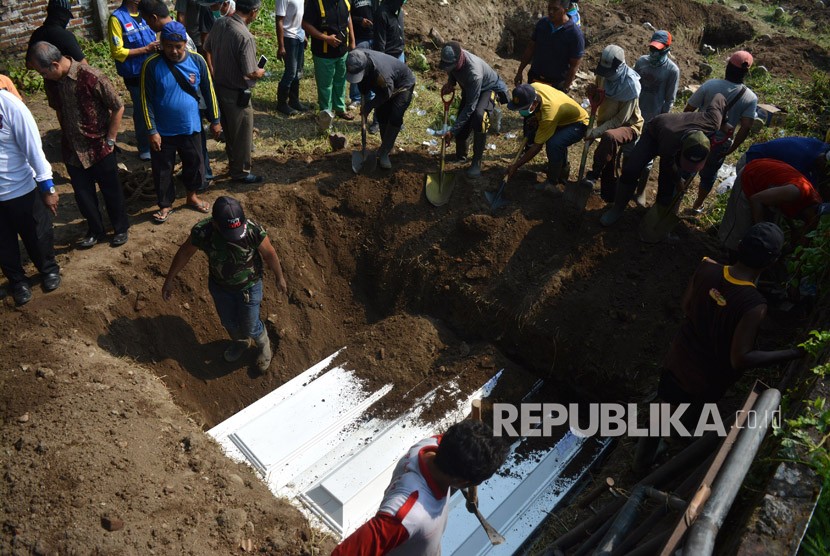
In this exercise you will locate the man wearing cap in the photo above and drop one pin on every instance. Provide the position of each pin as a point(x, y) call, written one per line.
point(763, 185)
point(89, 111)
point(392, 84)
point(741, 103)
point(716, 341)
point(28, 200)
point(232, 48)
point(157, 15)
point(236, 248)
point(553, 120)
point(682, 143)
point(53, 31)
point(618, 118)
point(329, 25)
point(173, 83)
point(481, 90)
point(659, 76)
point(288, 16)
point(555, 49)
point(131, 42)
point(413, 513)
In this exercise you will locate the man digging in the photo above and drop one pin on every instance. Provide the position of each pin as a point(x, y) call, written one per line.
point(236, 248)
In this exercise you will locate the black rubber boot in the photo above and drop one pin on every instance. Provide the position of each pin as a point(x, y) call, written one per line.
point(623, 195)
point(461, 148)
point(390, 134)
point(479, 144)
point(294, 97)
point(282, 103)
point(642, 182)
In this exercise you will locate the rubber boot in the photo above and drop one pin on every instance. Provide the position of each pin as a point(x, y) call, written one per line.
point(461, 147)
point(263, 360)
point(479, 143)
point(294, 97)
point(623, 195)
point(640, 193)
point(282, 103)
point(390, 134)
point(236, 349)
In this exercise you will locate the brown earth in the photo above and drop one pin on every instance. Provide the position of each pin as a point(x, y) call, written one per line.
point(420, 295)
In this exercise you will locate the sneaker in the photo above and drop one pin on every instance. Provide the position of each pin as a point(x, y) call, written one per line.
point(343, 115)
point(144, 156)
point(249, 179)
point(119, 239)
point(355, 104)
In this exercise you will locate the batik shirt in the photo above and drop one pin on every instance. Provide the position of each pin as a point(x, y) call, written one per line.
point(232, 265)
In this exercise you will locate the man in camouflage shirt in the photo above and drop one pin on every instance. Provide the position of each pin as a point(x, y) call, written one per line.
point(236, 248)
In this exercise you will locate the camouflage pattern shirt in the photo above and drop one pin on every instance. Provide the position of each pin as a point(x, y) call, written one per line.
point(233, 265)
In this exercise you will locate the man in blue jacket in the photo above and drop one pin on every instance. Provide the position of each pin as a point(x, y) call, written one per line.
point(171, 86)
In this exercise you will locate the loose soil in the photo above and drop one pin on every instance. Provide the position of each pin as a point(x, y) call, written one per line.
point(106, 388)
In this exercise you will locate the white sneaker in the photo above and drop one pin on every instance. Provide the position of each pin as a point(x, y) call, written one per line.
point(354, 105)
point(144, 156)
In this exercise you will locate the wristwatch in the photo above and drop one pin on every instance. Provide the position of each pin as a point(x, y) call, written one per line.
point(52, 191)
point(110, 142)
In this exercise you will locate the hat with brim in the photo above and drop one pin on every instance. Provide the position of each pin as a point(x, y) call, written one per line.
point(612, 57)
point(356, 63)
point(660, 40)
point(522, 97)
point(230, 218)
point(693, 152)
point(450, 54)
point(761, 245)
point(174, 31)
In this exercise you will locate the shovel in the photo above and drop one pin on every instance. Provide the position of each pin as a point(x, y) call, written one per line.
point(438, 187)
point(659, 220)
point(471, 494)
point(575, 193)
point(360, 160)
point(496, 199)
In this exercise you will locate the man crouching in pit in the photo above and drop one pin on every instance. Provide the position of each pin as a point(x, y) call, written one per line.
point(236, 248)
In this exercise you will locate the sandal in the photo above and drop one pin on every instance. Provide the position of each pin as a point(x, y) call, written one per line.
point(201, 206)
point(161, 217)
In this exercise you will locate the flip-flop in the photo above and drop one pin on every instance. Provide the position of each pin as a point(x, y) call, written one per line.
point(202, 206)
point(161, 218)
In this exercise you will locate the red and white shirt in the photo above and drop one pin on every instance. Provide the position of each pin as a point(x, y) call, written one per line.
point(412, 517)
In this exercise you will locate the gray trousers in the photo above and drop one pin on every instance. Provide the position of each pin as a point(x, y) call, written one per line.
point(238, 125)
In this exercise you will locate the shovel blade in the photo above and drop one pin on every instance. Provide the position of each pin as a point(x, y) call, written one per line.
point(657, 223)
point(577, 195)
point(357, 161)
point(438, 191)
point(495, 200)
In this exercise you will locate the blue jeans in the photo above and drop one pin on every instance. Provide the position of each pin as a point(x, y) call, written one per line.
point(294, 62)
point(141, 137)
point(354, 92)
point(709, 172)
point(565, 136)
point(238, 310)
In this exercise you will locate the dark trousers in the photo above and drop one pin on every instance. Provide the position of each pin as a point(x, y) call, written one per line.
point(294, 62)
point(391, 112)
point(29, 218)
point(668, 182)
point(238, 125)
point(605, 158)
point(105, 174)
point(189, 148)
point(479, 121)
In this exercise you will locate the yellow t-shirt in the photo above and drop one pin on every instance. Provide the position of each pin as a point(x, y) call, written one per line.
point(556, 109)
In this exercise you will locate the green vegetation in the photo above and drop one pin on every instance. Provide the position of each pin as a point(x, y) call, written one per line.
point(26, 80)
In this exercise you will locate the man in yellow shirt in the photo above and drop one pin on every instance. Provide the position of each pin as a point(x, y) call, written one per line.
point(552, 120)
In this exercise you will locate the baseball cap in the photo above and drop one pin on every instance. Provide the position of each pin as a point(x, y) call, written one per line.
point(660, 39)
point(741, 59)
point(174, 31)
point(523, 96)
point(761, 245)
point(65, 4)
point(610, 59)
point(693, 151)
point(248, 6)
point(450, 55)
point(228, 215)
point(356, 63)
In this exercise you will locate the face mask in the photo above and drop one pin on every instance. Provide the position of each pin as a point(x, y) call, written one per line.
point(658, 57)
point(217, 14)
point(525, 112)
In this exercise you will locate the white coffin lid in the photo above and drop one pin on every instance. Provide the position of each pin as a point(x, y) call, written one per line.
point(309, 441)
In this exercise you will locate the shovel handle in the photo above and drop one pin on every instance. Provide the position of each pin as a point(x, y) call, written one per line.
point(447, 100)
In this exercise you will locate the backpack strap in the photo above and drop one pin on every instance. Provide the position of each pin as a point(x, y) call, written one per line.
point(186, 87)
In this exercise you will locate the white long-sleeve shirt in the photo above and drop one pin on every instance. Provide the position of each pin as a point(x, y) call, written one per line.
point(21, 151)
